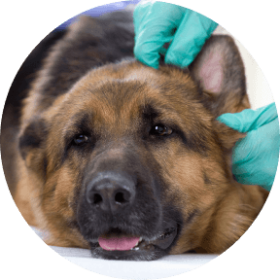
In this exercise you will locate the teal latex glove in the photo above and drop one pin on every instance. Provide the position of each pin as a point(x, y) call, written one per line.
point(255, 157)
point(155, 24)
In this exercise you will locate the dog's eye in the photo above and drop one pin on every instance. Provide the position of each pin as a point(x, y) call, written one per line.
point(160, 130)
point(80, 139)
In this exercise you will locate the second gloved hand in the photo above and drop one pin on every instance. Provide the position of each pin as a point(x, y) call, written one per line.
point(255, 157)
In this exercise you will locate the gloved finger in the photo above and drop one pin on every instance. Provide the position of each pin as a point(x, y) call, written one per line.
point(189, 39)
point(250, 119)
point(255, 157)
point(154, 24)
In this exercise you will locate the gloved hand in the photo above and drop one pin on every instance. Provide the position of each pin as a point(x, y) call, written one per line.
point(255, 157)
point(157, 23)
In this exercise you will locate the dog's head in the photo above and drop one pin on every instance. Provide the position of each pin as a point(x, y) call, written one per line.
point(132, 162)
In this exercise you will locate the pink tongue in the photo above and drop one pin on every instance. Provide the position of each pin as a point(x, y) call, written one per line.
point(120, 244)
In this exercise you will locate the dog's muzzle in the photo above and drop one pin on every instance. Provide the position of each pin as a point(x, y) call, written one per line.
point(120, 210)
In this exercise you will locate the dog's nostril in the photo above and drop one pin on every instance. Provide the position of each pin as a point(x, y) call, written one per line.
point(120, 197)
point(97, 198)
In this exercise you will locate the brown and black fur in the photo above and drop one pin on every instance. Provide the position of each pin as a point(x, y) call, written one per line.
point(91, 85)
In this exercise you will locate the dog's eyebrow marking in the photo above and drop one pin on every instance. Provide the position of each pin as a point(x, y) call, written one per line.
point(80, 124)
point(149, 112)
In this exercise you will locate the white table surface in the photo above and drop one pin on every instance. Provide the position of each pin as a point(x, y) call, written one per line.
point(164, 267)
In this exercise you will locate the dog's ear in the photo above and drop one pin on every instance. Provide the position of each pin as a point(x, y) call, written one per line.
point(218, 69)
point(31, 144)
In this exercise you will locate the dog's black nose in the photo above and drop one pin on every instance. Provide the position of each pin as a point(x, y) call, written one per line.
point(110, 191)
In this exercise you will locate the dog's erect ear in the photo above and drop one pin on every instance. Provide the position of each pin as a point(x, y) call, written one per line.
point(219, 71)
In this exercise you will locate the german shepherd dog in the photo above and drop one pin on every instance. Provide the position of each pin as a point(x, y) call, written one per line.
point(105, 153)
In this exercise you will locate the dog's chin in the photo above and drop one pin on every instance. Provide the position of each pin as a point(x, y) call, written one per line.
point(145, 249)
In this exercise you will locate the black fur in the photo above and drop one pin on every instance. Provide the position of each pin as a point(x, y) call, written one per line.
point(68, 68)
point(33, 137)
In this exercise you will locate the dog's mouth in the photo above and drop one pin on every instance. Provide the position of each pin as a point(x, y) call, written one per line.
point(116, 244)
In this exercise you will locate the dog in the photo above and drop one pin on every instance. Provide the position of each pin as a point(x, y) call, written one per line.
point(108, 154)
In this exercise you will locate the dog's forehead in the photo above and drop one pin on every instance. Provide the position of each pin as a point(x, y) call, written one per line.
point(130, 88)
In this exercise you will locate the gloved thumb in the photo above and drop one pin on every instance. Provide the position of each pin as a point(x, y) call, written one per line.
point(249, 119)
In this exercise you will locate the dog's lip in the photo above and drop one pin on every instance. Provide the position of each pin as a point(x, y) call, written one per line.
point(162, 241)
